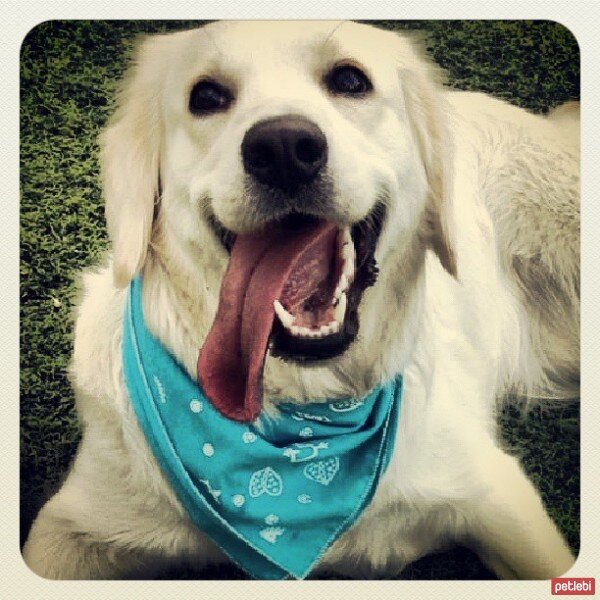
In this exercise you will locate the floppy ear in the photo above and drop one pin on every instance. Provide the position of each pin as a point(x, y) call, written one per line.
point(427, 115)
point(130, 163)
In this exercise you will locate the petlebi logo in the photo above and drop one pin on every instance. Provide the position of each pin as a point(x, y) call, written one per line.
point(573, 586)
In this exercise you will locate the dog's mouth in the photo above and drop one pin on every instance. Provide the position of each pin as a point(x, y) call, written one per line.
point(292, 288)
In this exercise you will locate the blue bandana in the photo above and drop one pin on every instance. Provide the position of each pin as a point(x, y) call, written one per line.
point(274, 495)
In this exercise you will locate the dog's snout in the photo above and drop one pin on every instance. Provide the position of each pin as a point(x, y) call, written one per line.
point(284, 152)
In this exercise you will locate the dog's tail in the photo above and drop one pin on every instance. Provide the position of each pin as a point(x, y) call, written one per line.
point(537, 229)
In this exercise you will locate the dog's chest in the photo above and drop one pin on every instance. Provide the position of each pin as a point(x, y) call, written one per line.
point(386, 538)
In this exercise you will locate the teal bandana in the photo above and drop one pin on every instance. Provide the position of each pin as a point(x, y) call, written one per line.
point(274, 495)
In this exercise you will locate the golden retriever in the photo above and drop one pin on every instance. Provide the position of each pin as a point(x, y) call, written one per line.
point(463, 212)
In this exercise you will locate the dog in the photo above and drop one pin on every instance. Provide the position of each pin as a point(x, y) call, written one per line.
point(462, 217)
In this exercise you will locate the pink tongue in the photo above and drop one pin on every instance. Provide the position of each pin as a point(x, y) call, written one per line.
point(230, 364)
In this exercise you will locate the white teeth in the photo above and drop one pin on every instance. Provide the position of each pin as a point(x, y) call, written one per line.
point(343, 283)
point(284, 316)
point(340, 310)
point(306, 332)
point(324, 330)
point(348, 271)
point(347, 255)
point(345, 240)
point(333, 327)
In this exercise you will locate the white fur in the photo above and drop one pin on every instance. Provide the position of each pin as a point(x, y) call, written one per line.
point(472, 178)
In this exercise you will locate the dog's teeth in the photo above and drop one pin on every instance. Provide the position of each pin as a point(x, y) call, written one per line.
point(346, 237)
point(347, 251)
point(324, 330)
point(342, 286)
point(348, 269)
point(345, 243)
point(348, 255)
point(284, 316)
point(343, 283)
point(336, 295)
point(348, 258)
point(340, 310)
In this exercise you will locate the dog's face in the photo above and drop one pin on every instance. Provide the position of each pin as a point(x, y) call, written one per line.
point(312, 153)
point(238, 88)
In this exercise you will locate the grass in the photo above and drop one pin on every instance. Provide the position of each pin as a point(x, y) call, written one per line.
point(69, 71)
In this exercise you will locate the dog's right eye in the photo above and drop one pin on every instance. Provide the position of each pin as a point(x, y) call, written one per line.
point(208, 97)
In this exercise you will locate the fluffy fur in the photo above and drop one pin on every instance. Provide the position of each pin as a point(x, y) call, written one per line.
point(477, 294)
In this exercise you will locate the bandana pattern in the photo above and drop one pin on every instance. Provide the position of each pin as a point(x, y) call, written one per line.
point(275, 494)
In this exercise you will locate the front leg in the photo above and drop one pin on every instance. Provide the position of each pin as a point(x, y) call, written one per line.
point(57, 548)
point(113, 519)
point(509, 526)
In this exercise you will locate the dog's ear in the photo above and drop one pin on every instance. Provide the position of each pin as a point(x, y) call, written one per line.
point(130, 162)
point(427, 114)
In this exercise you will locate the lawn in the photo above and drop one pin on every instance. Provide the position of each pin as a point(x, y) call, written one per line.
point(69, 73)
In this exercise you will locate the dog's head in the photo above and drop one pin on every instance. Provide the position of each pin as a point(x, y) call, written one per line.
point(312, 154)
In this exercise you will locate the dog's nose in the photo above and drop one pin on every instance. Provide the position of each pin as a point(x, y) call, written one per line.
point(284, 152)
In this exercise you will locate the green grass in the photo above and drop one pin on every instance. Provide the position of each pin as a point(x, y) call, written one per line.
point(69, 71)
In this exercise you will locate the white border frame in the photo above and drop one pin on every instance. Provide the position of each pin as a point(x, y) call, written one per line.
point(580, 17)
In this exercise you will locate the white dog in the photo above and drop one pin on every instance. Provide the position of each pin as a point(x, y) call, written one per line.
point(467, 206)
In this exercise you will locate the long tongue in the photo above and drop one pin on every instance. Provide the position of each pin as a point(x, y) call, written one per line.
point(231, 362)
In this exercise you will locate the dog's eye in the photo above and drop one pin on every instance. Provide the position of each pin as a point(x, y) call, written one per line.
point(349, 80)
point(208, 97)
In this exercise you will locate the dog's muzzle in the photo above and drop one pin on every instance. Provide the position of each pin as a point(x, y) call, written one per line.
point(294, 283)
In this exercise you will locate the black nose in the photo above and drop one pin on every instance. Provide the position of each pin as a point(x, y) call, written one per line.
point(284, 152)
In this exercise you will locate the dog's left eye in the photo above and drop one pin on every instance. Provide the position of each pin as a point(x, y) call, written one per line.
point(349, 80)
point(207, 97)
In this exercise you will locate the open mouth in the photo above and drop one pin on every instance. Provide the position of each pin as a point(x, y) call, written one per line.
point(293, 288)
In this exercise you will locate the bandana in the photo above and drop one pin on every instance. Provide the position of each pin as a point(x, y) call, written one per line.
point(274, 494)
